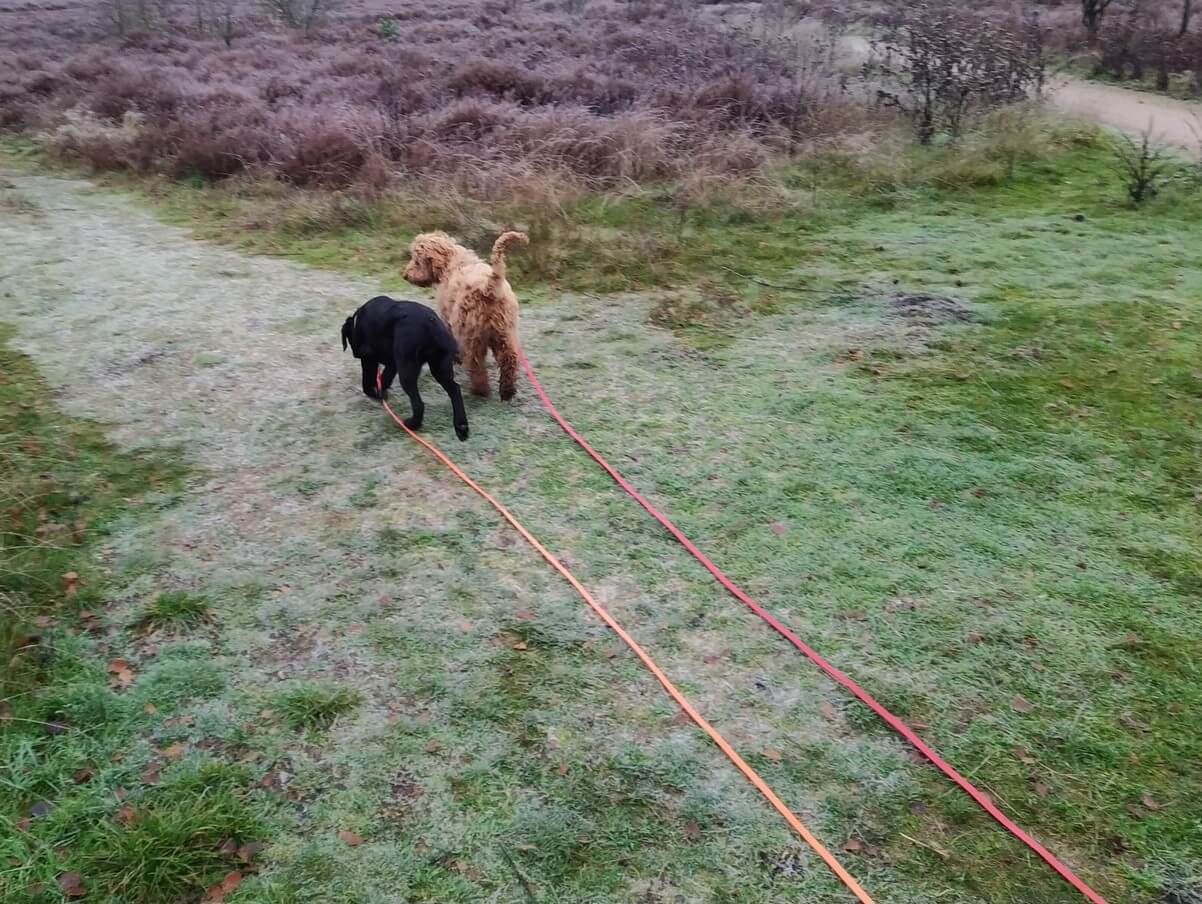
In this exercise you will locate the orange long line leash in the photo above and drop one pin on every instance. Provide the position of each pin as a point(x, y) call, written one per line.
point(752, 776)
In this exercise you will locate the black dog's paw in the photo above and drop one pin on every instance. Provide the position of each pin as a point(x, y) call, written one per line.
point(508, 393)
point(413, 423)
point(461, 432)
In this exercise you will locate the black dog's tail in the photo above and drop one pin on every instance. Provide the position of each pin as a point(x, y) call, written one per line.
point(347, 333)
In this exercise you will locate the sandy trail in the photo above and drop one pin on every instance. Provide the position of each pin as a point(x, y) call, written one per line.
point(1171, 121)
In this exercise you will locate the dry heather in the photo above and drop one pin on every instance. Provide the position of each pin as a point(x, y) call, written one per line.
point(602, 92)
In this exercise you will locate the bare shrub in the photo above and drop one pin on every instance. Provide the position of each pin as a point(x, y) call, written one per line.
point(1144, 43)
point(99, 142)
point(942, 64)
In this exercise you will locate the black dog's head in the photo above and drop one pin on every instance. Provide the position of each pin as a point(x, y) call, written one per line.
point(348, 335)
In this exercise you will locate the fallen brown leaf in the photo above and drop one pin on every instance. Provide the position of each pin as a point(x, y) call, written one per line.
point(174, 751)
point(218, 891)
point(127, 814)
point(70, 583)
point(150, 709)
point(1148, 801)
point(772, 754)
point(351, 838)
point(853, 846)
point(828, 711)
point(71, 885)
point(692, 831)
point(229, 847)
point(1041, 789)
point(82, 775)
point(524, 614)
point(248, 851)
point(433, 746)
point(1021, 704)
point(1024, 755)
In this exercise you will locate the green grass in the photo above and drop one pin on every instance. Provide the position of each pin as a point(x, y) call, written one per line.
point(958, 513)
point(176, 608)
point(77, 794)
point(314, 705)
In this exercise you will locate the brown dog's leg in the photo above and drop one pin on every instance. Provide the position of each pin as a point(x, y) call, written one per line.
point(477, 373)
point(507, 364)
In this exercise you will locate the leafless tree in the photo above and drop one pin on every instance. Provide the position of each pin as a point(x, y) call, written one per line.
point(303, 14)
point(1091, 14)
point(1187, 11)
point(940, 63)
point(132, 15)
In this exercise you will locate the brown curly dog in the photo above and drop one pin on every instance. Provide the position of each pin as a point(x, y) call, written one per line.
point(475, 301)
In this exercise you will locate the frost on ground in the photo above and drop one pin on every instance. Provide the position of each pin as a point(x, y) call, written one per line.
point(335, 550)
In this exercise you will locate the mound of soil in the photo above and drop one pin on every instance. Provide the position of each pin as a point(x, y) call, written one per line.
point(930, 308)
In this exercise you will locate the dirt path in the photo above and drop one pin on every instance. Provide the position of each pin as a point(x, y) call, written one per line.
point(1171, 121)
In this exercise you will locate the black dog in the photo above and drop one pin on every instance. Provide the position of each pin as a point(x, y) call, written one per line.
point(404, 335)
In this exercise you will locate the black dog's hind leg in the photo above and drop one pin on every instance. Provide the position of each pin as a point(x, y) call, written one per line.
point(408, 373)
point(370, 368)
point(443, 371)
point(386, 378)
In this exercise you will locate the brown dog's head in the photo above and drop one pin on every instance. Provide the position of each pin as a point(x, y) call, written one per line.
point(430, 255)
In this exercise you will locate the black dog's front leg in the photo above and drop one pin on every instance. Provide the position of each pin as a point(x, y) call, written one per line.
point(408, 379)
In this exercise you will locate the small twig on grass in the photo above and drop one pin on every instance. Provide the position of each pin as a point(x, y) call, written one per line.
point(772, 285)
point(522, 880)
point(930, 847)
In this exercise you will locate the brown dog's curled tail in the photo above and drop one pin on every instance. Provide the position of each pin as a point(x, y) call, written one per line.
point(497, 259)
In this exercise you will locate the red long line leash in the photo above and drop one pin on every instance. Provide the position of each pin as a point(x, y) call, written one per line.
point(754, 777)
point(890, 719)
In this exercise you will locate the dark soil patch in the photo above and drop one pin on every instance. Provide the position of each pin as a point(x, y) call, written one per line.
point(929, 308)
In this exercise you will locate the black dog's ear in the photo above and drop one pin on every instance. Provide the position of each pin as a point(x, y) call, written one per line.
point(346, 332)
